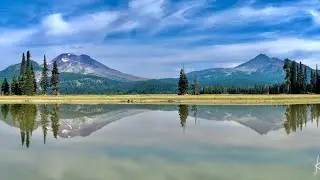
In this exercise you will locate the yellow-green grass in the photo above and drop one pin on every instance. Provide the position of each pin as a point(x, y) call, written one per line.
point(166, 99)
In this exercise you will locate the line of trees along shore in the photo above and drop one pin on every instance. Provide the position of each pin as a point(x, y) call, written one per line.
point(299, 79)
point(296, 116)
point(26, 83)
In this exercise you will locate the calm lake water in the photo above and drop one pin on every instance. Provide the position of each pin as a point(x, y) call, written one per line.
point(157, 142)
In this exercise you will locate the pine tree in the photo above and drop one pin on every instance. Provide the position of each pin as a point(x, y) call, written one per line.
point(55, 79)
point(21, 85)
point(22, 77)
point(293, 78)
point(28, 87)
point(44, 77)
point(23, 65)
point(183, 83)
point(14, 86)
point(195, 86)
point(311, 81)
point(287, 70)
point(34, 80)
point(299, 78)
point(317, 81)
point(5, 88)
point(304, 80)
point(28, 60)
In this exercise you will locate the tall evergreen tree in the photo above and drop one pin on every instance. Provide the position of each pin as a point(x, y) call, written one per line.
point(23, 65)
point(15, 86)
point(28, 64)
point(34, 80)
point(299, 78)
point(195, 86)
point(44, 77)
point(317, 81)
point(287, 70)
point(304, 80)
point(55, 79)
point(183, 83)
point(28, 88)
point(21, 85)
point(5, 88)
point(294, 78)
point(312, 81)
point(26, 81)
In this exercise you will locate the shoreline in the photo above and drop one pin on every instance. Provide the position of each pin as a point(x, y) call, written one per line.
point(225, 99)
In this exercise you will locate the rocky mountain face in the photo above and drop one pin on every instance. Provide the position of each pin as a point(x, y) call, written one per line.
point(262, 63)
point(84, 64)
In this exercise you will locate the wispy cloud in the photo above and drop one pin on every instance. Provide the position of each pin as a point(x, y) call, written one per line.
point(315, 16)
point(56, 25)
point(243, 16)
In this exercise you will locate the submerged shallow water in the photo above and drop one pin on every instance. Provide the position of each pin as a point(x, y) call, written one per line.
point(74, 142)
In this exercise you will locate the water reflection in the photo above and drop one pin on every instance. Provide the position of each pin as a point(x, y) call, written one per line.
point(194, 109)
point(183, 114)
point(297, 116)
point(68, 121)
point(24, 116)
point(146, 142)
point(55, 116)
point(44, 113)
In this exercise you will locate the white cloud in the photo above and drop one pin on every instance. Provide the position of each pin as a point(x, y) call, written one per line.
point(56, 25)
point(315, 16)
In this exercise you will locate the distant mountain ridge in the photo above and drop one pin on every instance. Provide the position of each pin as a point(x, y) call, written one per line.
point(84, 75)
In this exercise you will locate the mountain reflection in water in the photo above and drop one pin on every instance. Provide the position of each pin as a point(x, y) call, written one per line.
point(68, 121)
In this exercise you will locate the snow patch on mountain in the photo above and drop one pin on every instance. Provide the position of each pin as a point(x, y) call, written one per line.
point(64, 59)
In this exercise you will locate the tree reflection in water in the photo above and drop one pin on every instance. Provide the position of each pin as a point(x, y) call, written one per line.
point(296, 116)
point(24, 116)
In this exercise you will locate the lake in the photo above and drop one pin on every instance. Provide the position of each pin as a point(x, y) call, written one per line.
point(159, 142)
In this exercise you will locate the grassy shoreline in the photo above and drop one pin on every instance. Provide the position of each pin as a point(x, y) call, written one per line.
point(238, 99)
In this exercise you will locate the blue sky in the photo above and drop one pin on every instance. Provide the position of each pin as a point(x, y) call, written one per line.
point(153, 38)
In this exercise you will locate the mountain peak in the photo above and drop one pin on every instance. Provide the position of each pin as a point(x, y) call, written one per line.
point(261, 63)
point(84, 55)
point(67, 54)
point(84, 64)
point(261, 56)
